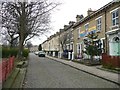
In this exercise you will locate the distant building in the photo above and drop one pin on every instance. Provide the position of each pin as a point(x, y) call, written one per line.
point(34, 48)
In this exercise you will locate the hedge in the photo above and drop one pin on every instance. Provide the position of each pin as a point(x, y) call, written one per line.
point(7, 52)
point(25, 52)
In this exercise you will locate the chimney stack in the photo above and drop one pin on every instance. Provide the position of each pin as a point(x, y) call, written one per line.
point(65, 27)
point(79, 17)
point(61, 30)
point(90, 11)
point(71, 22)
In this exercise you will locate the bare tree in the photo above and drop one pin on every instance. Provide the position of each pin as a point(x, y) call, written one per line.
point(63, 41)
point(27, 19)
point(9, 36)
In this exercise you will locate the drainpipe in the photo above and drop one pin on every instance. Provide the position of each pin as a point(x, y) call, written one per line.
point(59, 54)
point(105, 33)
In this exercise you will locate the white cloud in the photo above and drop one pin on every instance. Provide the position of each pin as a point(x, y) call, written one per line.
point(70, 8)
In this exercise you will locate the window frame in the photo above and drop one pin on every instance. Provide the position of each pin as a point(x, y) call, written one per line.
point(115, 17)
point(79, 48)
point(87, 24)
point(78, 31)
point(86, 29)
point(99, 24)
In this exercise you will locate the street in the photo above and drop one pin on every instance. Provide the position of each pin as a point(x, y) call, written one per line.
point(46, 73)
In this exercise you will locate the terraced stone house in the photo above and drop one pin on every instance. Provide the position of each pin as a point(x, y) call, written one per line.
point(105, 22)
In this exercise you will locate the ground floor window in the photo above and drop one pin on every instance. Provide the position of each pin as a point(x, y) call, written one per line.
point(71, 47)
point(103, 45)
point(79, 50)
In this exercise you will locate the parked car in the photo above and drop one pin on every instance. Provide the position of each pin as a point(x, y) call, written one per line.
point(41, 54)
point(36, 53)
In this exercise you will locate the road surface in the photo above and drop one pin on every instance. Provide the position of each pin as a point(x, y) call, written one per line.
point(43, 72)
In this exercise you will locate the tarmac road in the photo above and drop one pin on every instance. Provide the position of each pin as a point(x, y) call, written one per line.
point(46, 73)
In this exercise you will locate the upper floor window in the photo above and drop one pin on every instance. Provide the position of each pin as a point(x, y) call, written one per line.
point(115, 17)
point(86, 28)
point(98, 24)
point(71, 35)
point(68, 37)
point(71, 46)
point(78, 31)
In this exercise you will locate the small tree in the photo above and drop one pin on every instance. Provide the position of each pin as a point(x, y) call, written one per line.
point(62, 41)
point(92, 45)
point(40, 47)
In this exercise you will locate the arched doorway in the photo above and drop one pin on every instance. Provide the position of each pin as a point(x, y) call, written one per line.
point(114, 46)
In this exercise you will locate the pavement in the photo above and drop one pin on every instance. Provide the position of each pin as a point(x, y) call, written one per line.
point(93, 70)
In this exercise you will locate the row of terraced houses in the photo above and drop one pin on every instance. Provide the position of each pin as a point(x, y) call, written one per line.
point(104, 21)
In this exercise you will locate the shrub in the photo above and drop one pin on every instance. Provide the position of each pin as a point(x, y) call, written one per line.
point(25, 52)
point(7, 52)
point(13, 52)
point(0, 52)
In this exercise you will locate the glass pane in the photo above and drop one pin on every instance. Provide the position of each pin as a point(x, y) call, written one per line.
point(113, 15)
point(114, 49)
point(79, 46)
point(117, 13)
point(100, 20)
point(86, 27)
point(100, 27)
point(117, 21)
point(113, 22)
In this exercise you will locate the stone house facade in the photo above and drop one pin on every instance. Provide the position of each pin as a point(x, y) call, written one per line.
point(106, 23)
point(51, 45)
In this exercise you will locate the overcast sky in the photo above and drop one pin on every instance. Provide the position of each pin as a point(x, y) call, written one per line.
point(67, 11)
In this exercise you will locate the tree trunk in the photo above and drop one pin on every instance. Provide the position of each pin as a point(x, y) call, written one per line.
point(22, 32)
point(91, 58)
point(20, 52)
point(11, 44)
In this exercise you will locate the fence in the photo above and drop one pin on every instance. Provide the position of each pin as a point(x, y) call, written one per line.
point(111, 60)
point(6, 67)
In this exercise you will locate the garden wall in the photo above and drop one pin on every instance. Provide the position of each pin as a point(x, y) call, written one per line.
point(113, 61)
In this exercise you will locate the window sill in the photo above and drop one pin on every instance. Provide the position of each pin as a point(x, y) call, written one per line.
point(114, 27)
